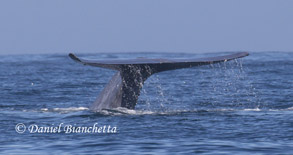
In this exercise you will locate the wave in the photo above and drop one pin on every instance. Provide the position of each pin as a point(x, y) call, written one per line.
point(254, 109)
point(125, 111)
point(121, 110)
point(65, 110)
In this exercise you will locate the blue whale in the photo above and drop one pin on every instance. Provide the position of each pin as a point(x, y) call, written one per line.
point(124, 88)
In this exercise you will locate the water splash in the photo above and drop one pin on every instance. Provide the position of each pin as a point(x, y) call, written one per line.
point(65, 110)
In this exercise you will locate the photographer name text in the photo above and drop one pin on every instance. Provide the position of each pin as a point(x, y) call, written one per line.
point(65, 128)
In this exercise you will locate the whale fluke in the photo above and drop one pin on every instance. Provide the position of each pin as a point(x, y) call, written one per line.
point(124, 88)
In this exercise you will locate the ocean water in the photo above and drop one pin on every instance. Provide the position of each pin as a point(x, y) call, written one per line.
point(242, 106)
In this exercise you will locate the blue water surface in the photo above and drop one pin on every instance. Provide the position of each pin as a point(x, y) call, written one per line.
point(242, 106)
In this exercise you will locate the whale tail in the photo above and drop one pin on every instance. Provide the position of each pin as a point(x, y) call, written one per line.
point(124, 88)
